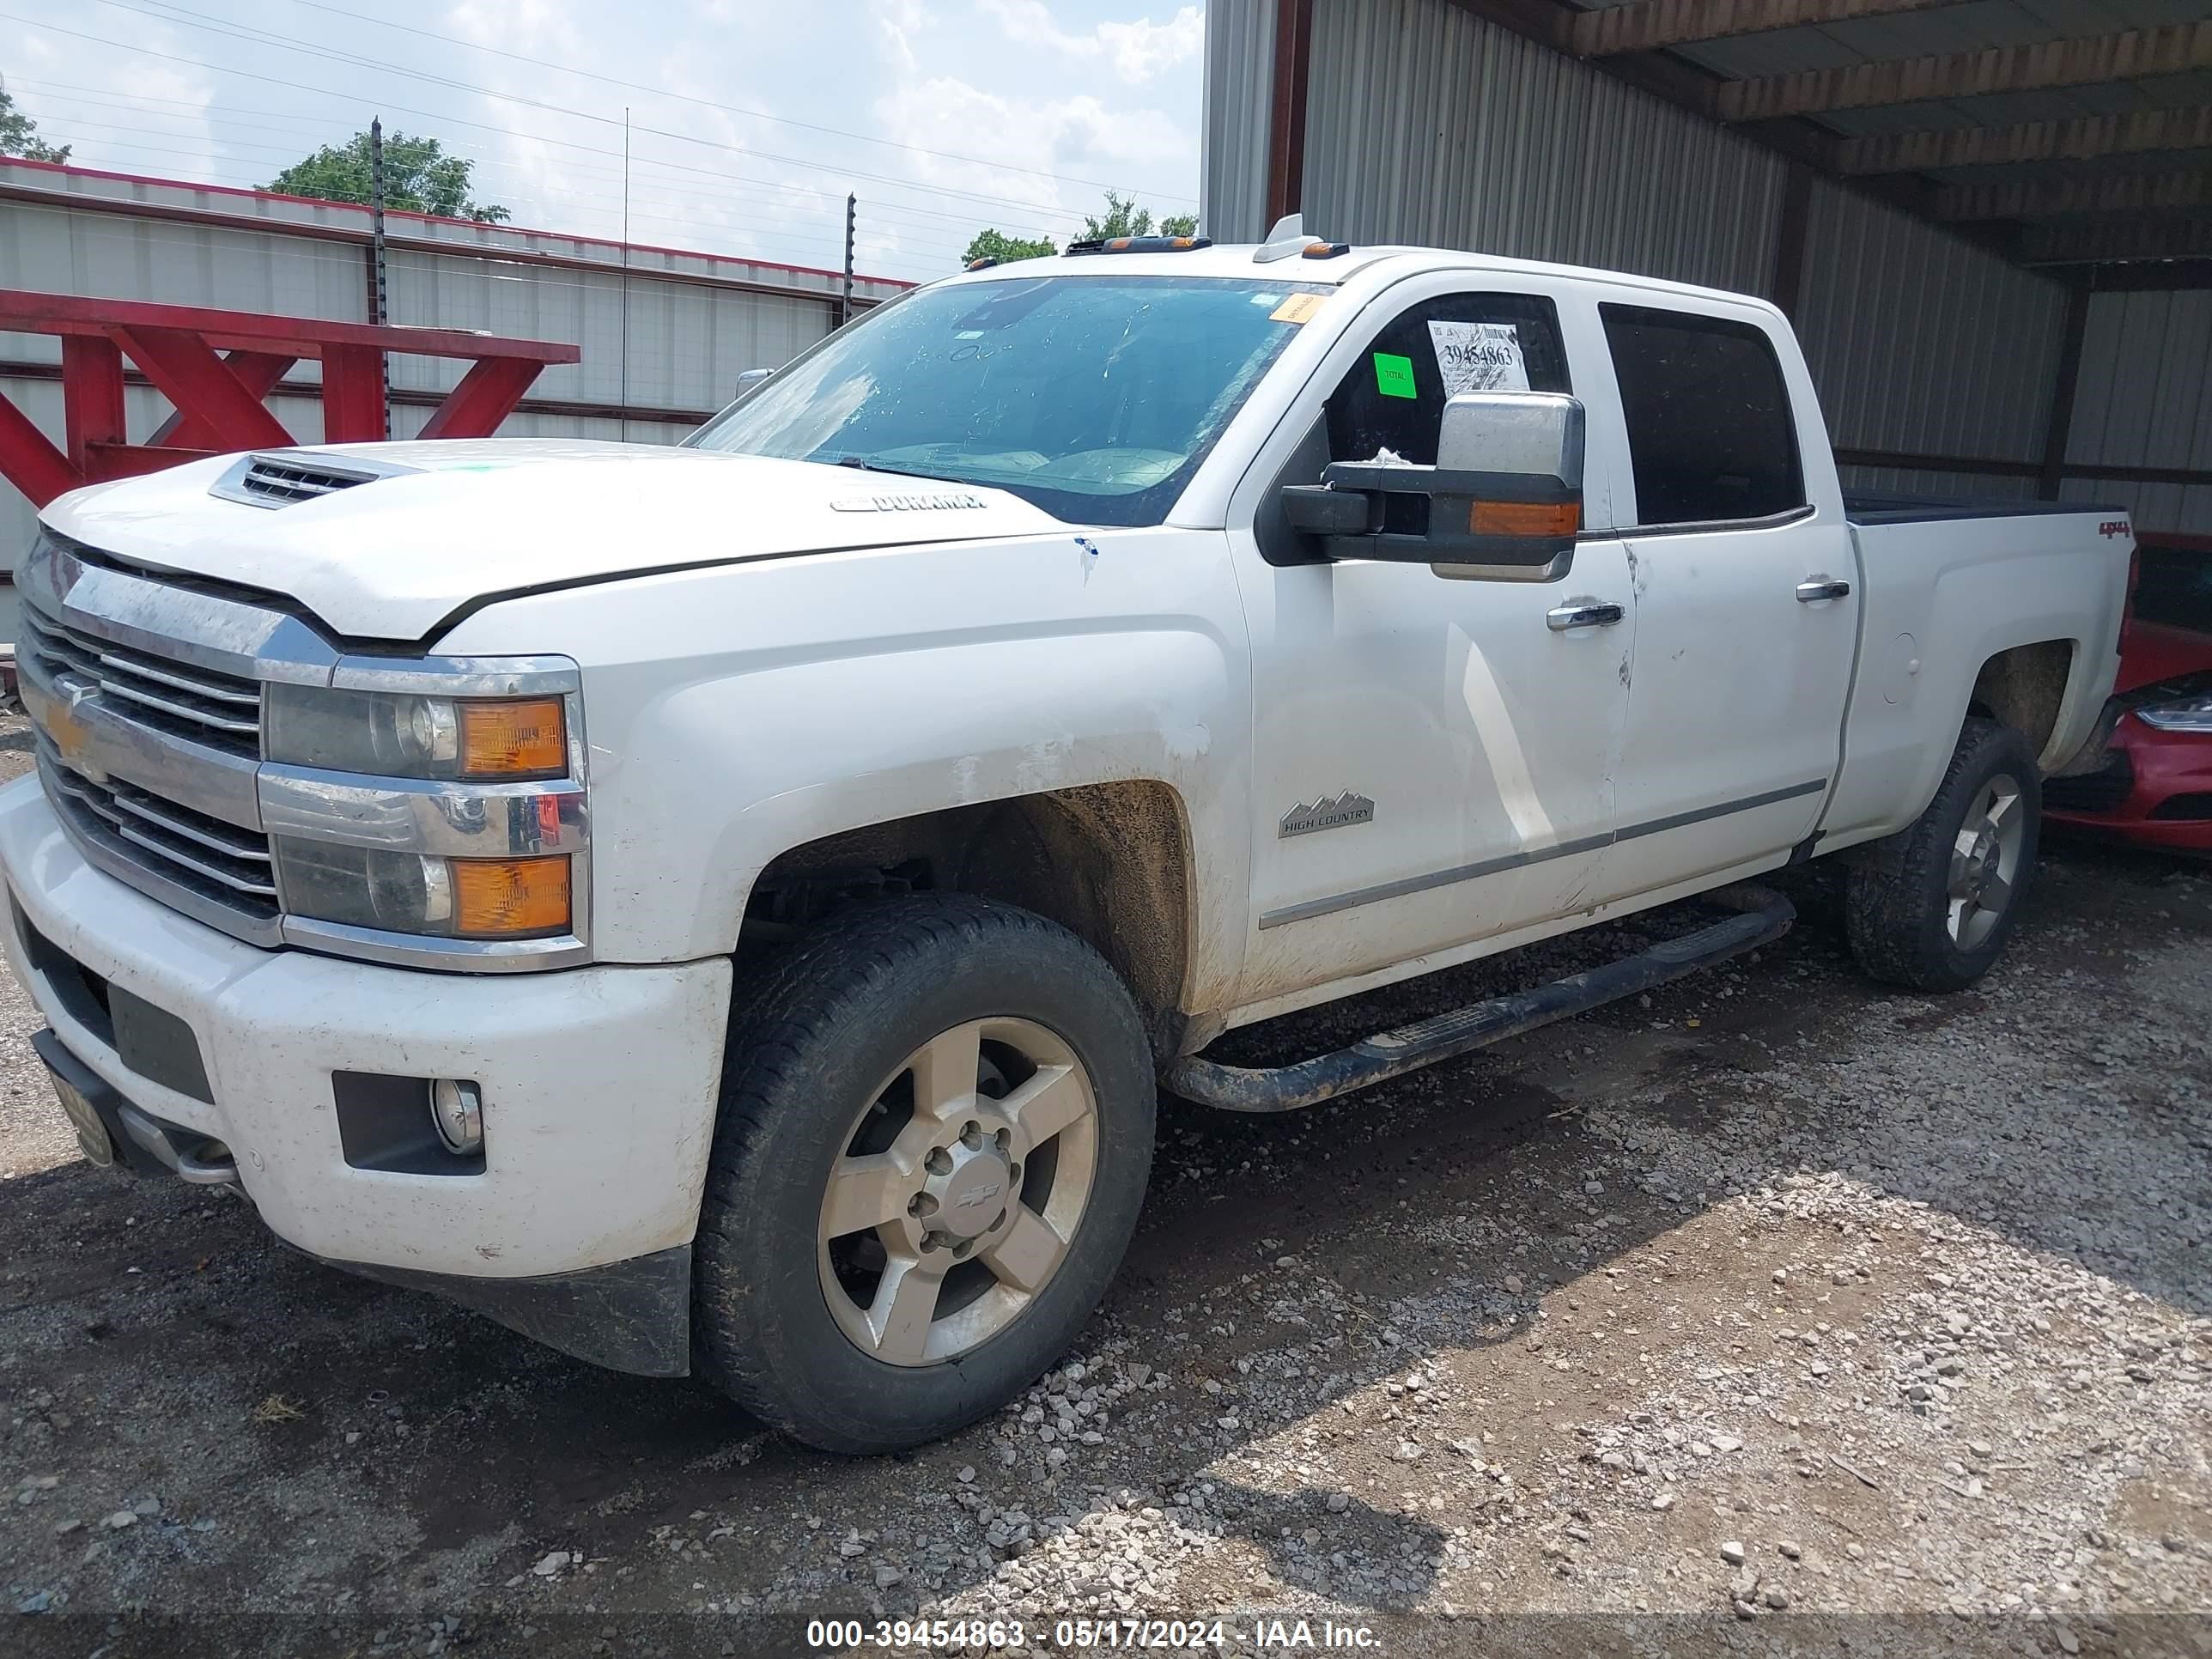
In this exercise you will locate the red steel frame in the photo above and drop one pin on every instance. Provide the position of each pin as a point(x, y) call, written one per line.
point(217, 366)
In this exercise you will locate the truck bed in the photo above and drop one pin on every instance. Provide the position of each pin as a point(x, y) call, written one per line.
point(1872, 507)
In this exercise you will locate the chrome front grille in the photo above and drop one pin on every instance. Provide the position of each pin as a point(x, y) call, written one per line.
point(148, 746)
point(225, 865)
point(217, 709)
point(146, 693)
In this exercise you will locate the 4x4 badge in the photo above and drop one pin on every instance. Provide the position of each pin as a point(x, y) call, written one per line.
point(1329, 812)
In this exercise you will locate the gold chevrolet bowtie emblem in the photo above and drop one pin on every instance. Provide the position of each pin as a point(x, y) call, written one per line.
point(70, 735)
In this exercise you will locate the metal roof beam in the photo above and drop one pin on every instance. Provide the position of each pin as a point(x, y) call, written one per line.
point(2044, 198)
point(1693, 88)
point(1653, 25)
point(2140, 236)
point(2083, 140)
point(2148, 275)
point(2174, 50)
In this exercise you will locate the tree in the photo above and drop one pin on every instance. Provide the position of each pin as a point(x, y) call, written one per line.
point(996, 244)
point(18, 135)
point(1123, 217)
point(419, 177)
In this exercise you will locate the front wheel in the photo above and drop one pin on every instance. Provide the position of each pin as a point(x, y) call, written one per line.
point(1931, 907)
point(935, 1134)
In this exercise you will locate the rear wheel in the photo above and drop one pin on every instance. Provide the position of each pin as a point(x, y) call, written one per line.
point(1932, 907)
point(935, 1134)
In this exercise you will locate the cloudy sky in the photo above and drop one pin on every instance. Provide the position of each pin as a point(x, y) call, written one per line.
point(750, 119)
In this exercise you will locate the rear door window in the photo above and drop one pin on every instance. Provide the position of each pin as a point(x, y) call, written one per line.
point(1710, 435)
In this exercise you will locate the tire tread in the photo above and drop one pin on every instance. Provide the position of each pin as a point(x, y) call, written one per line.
point(782, 1019)
point(1885, 904)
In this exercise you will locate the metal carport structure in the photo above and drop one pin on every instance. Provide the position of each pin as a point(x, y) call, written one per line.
point(1990, 220)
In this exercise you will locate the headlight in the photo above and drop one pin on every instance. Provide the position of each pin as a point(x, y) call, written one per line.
point(2185, 714)
point(395, 735)
point(419, 893)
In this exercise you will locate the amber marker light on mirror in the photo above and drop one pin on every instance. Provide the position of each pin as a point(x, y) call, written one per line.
point(1524, 517)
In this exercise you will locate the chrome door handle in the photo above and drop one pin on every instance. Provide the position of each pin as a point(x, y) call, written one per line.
point(1581, 613)
point(1814, 589)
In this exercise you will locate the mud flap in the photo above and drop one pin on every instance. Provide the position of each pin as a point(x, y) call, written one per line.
point(632, 1315)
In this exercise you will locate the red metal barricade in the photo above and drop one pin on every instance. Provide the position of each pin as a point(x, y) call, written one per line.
point(217, 368)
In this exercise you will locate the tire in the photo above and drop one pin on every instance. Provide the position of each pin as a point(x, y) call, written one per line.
point(1918, 908)
point(839, 1067)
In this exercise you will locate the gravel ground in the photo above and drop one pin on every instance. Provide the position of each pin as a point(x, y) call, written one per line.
point(1767, 1313)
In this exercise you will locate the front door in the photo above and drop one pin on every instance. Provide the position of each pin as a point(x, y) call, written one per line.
point(1433, 758)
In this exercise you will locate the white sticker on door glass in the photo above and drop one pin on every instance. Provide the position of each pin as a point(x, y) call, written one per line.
point(1479, 358)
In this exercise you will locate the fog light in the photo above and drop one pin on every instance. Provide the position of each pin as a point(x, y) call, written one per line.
point(457, 1109)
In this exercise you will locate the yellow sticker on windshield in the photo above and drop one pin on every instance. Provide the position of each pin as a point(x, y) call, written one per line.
point(1298, 309)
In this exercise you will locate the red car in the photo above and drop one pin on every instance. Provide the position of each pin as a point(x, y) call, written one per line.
point(2153, 787)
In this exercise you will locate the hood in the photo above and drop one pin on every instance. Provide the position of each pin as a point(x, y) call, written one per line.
point(408, 533)
point(2154, 652)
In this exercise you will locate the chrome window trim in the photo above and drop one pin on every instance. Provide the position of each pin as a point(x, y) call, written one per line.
point(1776, 520)
point(248, 642)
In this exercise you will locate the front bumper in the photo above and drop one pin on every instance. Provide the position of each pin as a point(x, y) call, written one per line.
point(598, 1084)
point(2155, 789)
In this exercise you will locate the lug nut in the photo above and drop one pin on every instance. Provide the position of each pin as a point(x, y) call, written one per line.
point(961, 1249)
point(939, 1162)
point(971, 1136)
point(921, 1204)
point(931, 1241)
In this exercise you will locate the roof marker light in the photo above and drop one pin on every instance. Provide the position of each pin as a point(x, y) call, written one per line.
point(1141, 245)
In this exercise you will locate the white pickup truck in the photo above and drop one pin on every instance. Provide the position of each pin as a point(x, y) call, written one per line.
point(728, 909)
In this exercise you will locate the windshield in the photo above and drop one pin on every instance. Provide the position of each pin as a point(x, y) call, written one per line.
point(1093, 397)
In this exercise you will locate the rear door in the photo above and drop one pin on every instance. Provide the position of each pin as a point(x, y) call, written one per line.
point(1746, 608)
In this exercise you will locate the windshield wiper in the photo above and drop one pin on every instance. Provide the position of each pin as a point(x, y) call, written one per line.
point(862, 463)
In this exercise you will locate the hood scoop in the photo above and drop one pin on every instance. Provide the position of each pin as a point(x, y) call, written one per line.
point(280, 477)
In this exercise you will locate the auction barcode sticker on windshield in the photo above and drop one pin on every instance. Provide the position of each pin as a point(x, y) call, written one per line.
point(1479, 358)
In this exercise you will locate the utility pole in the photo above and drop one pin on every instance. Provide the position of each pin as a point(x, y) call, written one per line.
point(845, 305)
point(625, 278)
point(379, 293)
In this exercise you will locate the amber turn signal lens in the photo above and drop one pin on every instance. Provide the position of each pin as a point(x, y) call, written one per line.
point(505, 898)
point(510, 739)
point(1524, 517)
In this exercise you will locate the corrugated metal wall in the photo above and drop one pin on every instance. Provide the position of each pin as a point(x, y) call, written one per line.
point(1925, 344)
point(695, 321)
point(1240, 56)
point(2145, 399)
point(1426, 124)
point(688, 342)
